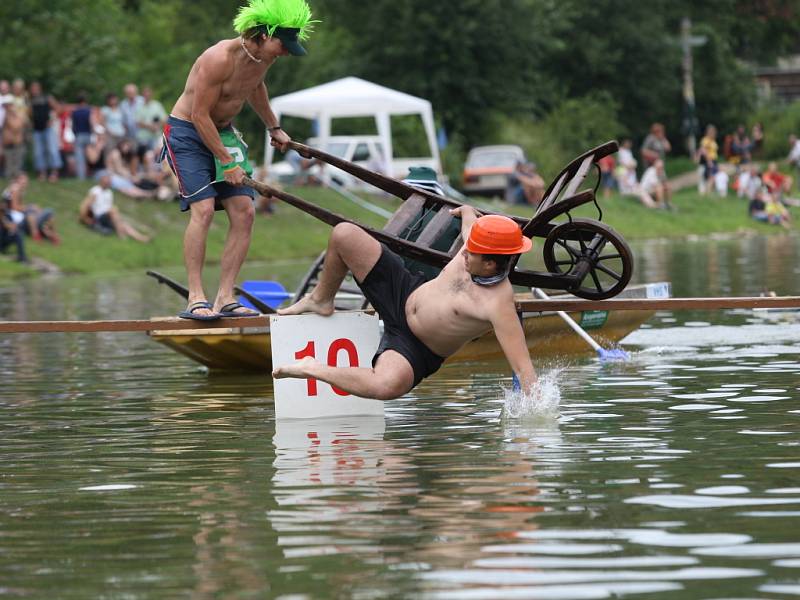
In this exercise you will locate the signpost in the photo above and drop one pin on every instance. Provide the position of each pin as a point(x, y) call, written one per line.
point(346, 339)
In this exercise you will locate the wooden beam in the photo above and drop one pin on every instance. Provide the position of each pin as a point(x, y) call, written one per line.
point(577, 304)
point(170, 324)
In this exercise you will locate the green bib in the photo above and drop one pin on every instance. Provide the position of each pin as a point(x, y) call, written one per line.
point(236, 147)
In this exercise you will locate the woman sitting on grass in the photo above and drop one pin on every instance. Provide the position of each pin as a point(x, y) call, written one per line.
point(98, 212)
point(123, 178)
point(767, 208)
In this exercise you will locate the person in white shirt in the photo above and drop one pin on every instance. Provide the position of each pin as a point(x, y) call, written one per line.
point(626, 168)
point(651, 187)
point(721, 183)
point(98, 212)
point(794, 152)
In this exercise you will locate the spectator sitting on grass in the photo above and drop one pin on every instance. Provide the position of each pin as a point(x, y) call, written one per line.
point(652, 190)
point(779, 185)
point(303, 173)
point(525, 186)
point(98, 212)
point(123, 179)
point(11, 233)
point(765, 207)
point(777, 213)
point(36, 222)
point(748, 182)
point(721, 180)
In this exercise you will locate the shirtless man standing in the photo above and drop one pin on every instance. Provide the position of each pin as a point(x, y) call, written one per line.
point(208, 155)
point(424, 321)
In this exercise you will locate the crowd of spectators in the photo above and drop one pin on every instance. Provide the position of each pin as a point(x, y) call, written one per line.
point(78, 139)
point(732, 166)
point(118, 142)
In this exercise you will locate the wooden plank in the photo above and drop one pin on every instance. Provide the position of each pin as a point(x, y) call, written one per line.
point(579, 176)
point(435, 227)
point(659, 304)
point(171, 323)
point(403, 216)
point(551, 195)
point(174, 323)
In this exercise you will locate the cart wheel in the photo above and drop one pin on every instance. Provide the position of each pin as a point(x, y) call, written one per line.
point(611, 261)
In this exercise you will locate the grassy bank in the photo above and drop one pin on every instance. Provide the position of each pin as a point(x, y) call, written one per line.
point(290, 233)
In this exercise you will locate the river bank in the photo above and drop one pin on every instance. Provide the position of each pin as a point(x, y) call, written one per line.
point(290, 233)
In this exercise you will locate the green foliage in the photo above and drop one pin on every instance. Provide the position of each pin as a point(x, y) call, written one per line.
point(69, 46)
point(468, 61)
point(716, 70)
point(480, 62)
point(569, 130)
point(779, 122)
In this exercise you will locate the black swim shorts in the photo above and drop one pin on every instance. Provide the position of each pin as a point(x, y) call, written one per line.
point(387, 287)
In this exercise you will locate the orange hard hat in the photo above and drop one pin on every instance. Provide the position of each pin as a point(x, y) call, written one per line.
point(496, 234)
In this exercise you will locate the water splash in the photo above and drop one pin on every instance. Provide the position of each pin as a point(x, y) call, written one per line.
point(542, 404)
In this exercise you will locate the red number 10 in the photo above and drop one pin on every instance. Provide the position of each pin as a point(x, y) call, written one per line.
point(333, 353)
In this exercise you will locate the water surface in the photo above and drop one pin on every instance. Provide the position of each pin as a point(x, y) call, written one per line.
point(128, 471)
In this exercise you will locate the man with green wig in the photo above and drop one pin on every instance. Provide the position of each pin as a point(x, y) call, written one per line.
point(209, 157)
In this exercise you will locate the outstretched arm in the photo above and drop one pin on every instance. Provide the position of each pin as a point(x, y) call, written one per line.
point(468, 216)
point(511, 337)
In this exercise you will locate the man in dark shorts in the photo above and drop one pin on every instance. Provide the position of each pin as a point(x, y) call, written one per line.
point(424, 321)
point(209, 157)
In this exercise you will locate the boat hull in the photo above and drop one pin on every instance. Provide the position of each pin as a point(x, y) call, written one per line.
point(248, 349)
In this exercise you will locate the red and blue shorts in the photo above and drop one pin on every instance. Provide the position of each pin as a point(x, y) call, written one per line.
point(193, 165)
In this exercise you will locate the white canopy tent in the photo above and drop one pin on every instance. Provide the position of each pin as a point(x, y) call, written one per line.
point(354, 97)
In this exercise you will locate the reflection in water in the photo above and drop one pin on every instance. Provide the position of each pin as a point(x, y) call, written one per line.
point(128, 471)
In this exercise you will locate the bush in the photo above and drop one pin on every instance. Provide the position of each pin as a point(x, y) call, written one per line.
point(571, 129)
point(779, 120)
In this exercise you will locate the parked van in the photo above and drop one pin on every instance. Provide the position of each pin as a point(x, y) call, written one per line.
point(363, 150)
point(488, 168)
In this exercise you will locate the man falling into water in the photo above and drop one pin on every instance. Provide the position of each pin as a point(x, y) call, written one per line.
point(209, 156)
point(424, 321)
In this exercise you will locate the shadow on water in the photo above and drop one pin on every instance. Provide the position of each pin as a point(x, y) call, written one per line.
point(129, 471)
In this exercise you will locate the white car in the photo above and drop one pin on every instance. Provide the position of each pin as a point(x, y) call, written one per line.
point(488, 169)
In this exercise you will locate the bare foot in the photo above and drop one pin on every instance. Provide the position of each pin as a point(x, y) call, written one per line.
point(308, 304)
point(299, 370)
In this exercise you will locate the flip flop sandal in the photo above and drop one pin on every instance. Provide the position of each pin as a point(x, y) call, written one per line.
point(190, 314)
point(229, 310)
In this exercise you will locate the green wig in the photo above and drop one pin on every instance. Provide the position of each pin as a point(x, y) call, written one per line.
point(271, 14)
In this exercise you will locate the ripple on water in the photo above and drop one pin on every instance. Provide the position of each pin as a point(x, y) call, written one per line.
point(505, 576)
point(723, 490)
point(556, 592)
point(755, 399)
point(696, 406)
point(793, 590)
point(704, 395)
point(752, 551)
point(687, 501)
point(645, 537)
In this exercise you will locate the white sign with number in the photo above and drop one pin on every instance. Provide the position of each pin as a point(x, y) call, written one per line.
point(346, 339)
